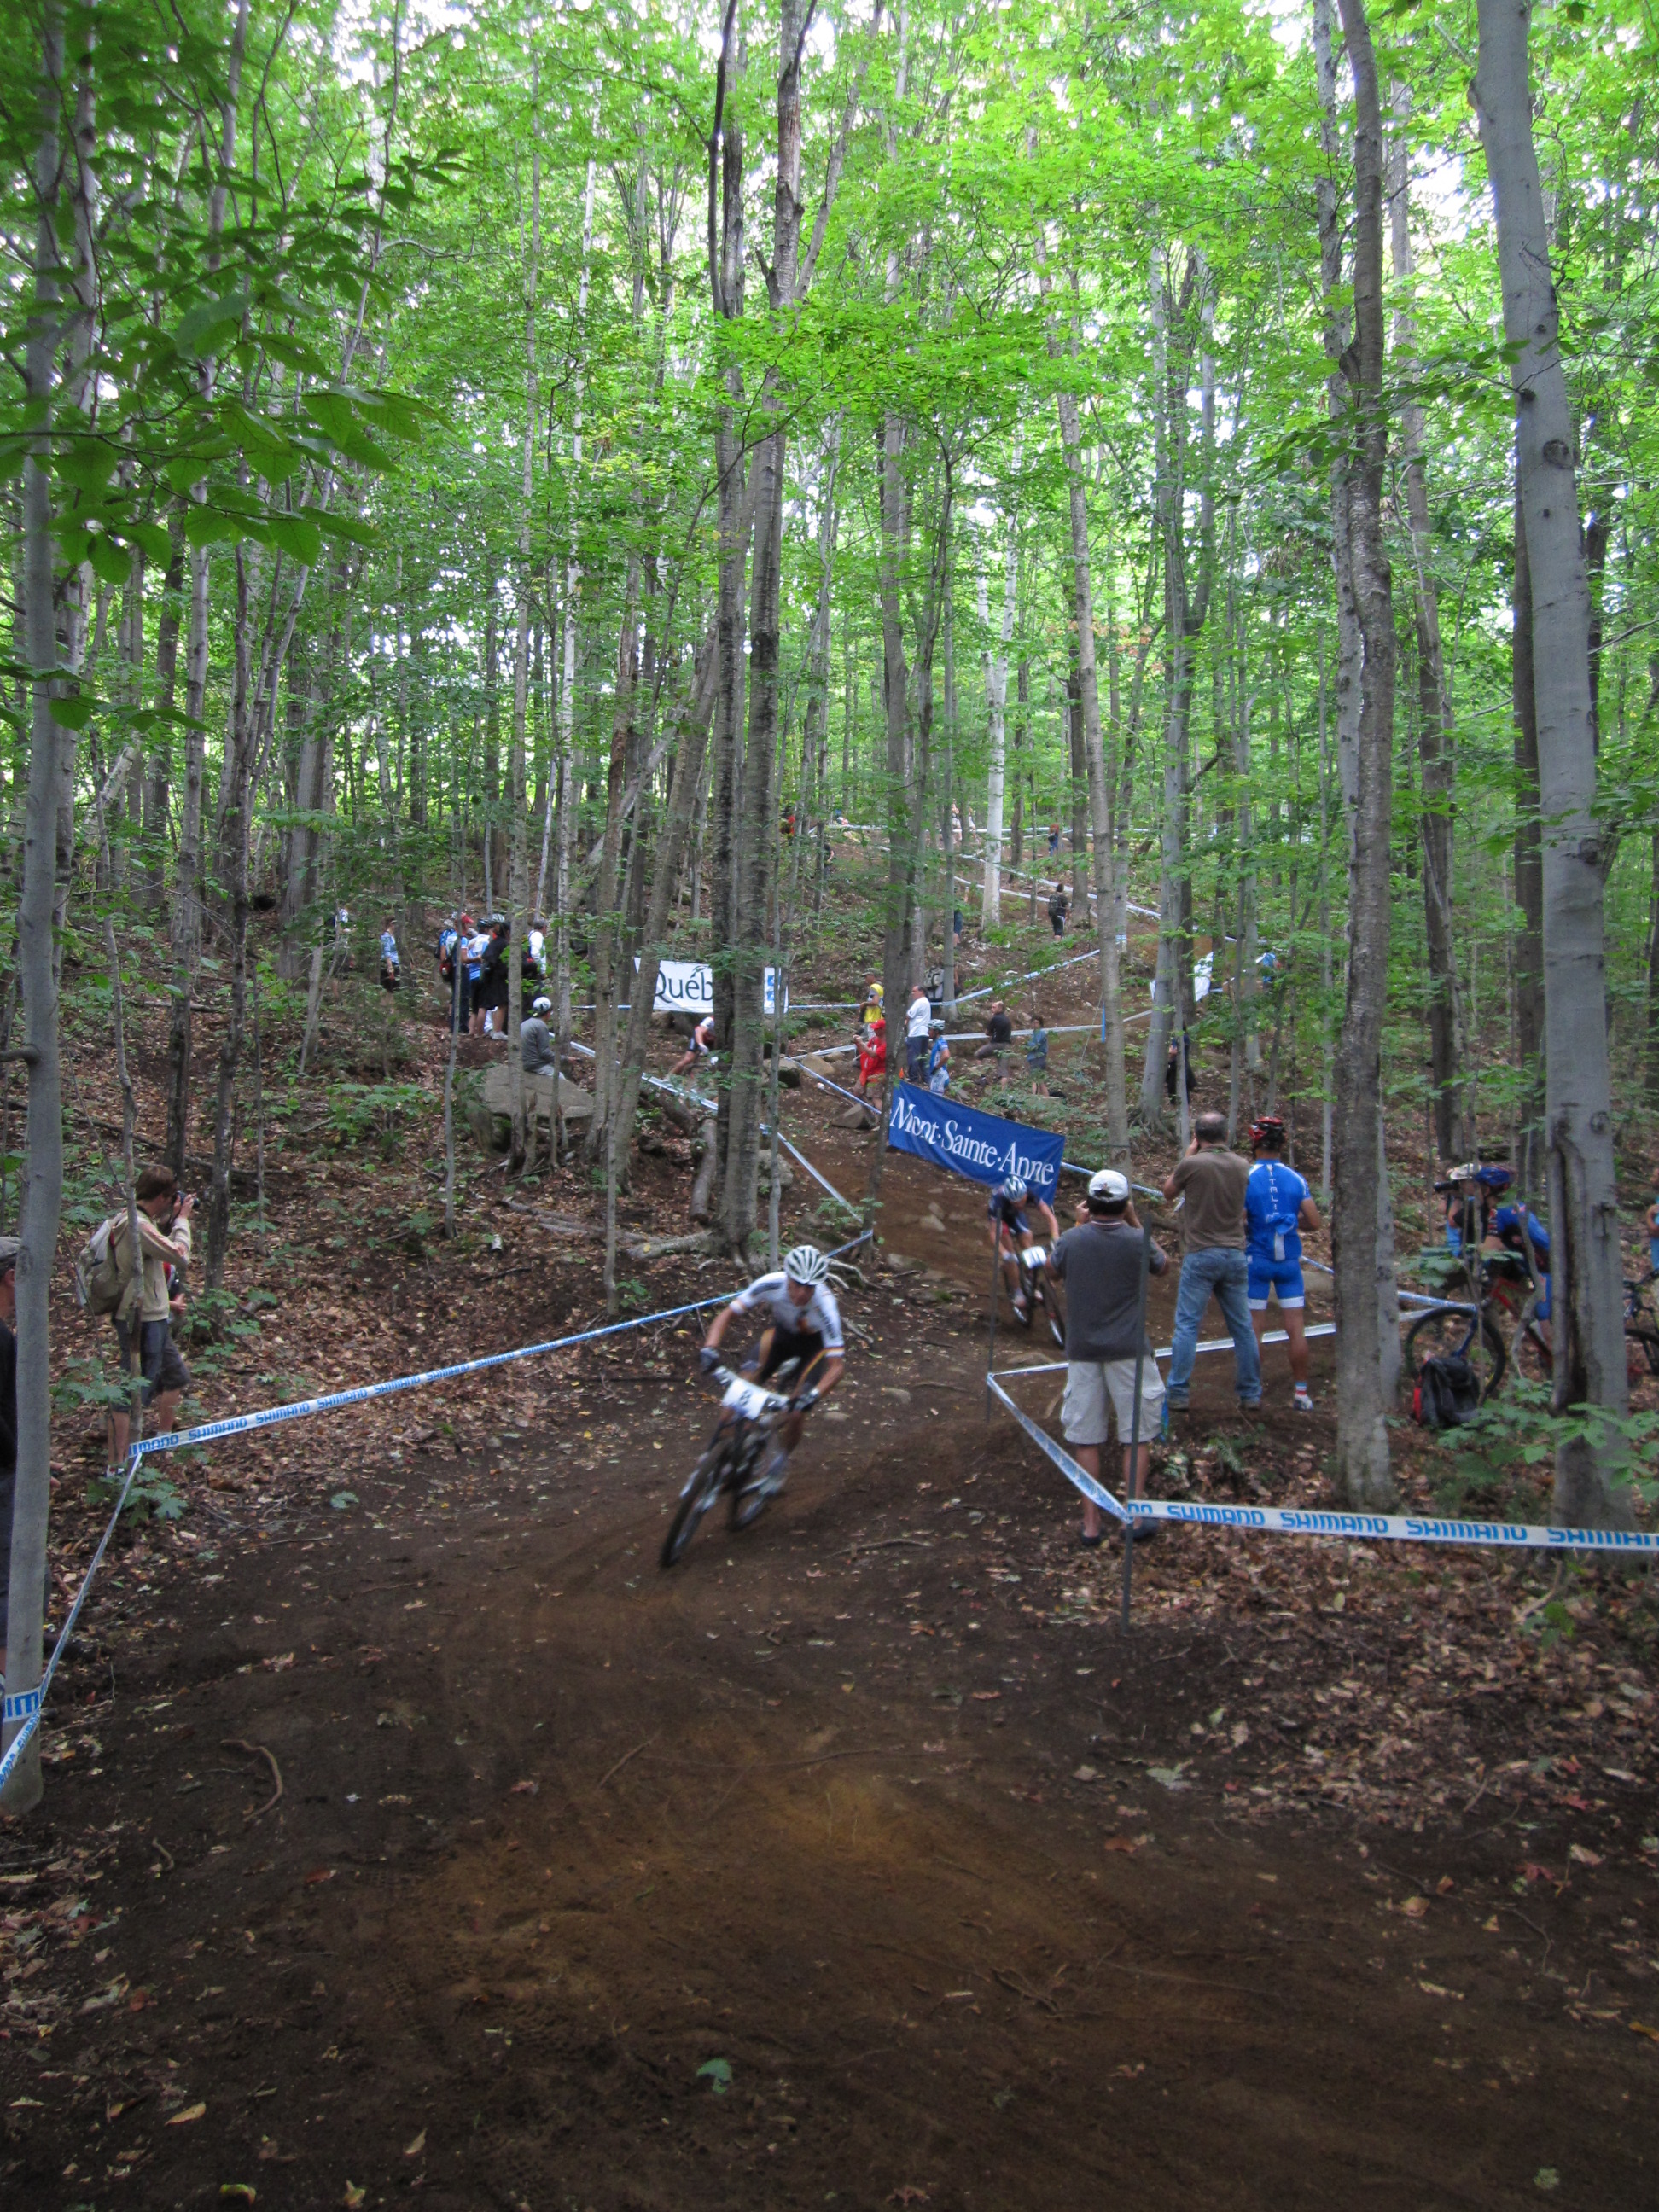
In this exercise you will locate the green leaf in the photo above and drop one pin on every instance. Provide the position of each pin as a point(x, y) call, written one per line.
point(209, 326)
point(296, 535)
point(73, 713)
point(112, 562)
point(717, 2073)
point(86, 463)
point(150, 538)
point(342, 1500)
point(205, 525)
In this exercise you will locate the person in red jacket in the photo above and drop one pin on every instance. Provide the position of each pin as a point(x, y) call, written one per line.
point(873, 1052)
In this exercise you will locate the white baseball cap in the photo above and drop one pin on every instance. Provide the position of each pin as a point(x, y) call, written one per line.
point(543, 1006)
point(1109, 1185)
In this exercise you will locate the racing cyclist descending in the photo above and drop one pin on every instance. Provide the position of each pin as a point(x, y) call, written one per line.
point(803, 1323)
point(1011, 1233)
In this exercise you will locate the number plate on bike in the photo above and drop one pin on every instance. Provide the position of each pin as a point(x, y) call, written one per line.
point(747, 1399)
point(1033, 1256)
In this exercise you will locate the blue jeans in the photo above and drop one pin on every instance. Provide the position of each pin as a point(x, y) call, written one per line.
point(1221, 1273)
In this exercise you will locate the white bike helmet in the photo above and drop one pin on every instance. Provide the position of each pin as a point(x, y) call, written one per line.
point(807, 1264)
point(1015, 1191)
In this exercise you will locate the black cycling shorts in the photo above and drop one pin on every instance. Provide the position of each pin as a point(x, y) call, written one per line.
point(787, 1344)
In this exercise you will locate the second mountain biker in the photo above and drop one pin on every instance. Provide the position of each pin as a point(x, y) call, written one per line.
point(803, 1323)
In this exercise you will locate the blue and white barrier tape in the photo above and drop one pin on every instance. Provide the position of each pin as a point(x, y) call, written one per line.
point(1094, 1492)
point(1400, 1528)
point(28, 1705)
point(1293, 1521)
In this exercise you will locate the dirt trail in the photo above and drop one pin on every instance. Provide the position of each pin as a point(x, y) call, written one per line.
point(866, 1810)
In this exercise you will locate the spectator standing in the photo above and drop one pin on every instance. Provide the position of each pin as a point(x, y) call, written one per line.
point(1099, 1263)
point(1058, 907)
point(1653, 1228)
point(1037, 1055)
point(939, 1061)
point(1180, 1057)
point(872, 1051)
point(9, 1250)
point(1054, 837)
point(918, 1020)
point(998, 1033)
point(536, 1040)
point(1211, 1180)
point(164, 1242)
point(1278, 1206)
point(873, 1008)
point(391, 965)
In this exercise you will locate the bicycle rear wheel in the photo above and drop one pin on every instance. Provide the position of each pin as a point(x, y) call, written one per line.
point(1054, 1305)
point(1645, 1336)
point(1443, 1332)
point(696, 1499)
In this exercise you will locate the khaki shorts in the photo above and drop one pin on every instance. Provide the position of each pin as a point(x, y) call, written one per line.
point(1089, 1382)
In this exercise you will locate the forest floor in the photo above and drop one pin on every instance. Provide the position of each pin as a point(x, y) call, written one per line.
point(884, 1868)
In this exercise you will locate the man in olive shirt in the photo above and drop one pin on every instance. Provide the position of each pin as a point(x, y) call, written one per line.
point(1213, 1181)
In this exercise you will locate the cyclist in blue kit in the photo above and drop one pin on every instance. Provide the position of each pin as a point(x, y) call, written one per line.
point(1278, 1206)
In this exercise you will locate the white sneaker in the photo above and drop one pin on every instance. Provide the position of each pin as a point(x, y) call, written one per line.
point(1301, 1403)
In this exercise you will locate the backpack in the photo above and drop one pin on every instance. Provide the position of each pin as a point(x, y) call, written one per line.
point(99, 1284)
point(1447, 1395)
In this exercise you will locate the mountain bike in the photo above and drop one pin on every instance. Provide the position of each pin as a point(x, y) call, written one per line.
point(733, 1458)
point(1041, 1291)
point(1473, 1333)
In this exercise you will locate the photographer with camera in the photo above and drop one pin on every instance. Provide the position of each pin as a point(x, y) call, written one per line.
point(164, 1244)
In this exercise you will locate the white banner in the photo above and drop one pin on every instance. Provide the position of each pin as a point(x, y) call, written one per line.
point(687, 987)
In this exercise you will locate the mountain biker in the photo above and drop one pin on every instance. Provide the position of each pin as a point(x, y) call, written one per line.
point(803, 1323)
point(1507, 1228)
point(1010, 1232)
point(1278, 1206)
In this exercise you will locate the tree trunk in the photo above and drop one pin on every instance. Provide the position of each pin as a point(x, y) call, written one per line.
point(1363, 1475)
point(1529, 878)
point(996, 705)
point(1336, 339)
point(520, 890)
point(1448, 1058)
point(1185, 612)
point(42, 1174)
point(1088, 713)
point(157, 783)
point(1587, 1290)
point(756, 859)
point(187, 922)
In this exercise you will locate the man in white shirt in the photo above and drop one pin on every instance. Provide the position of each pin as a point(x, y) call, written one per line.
point(918, 1017)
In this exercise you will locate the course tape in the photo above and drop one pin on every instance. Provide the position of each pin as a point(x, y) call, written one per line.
point(18, 1704)
point(1290, 1520)
point(1094, 1492)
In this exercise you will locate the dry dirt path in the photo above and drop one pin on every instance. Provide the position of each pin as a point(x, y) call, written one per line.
point(871, 1810)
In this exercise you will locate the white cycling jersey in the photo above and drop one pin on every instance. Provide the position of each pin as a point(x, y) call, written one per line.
point(819, 1317)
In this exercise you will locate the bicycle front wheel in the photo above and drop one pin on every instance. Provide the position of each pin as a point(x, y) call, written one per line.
point(696, 1499)
point(1054, 1305)
point(1443, 1333)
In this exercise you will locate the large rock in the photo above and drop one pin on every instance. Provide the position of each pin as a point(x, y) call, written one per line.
point(575, 1104)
